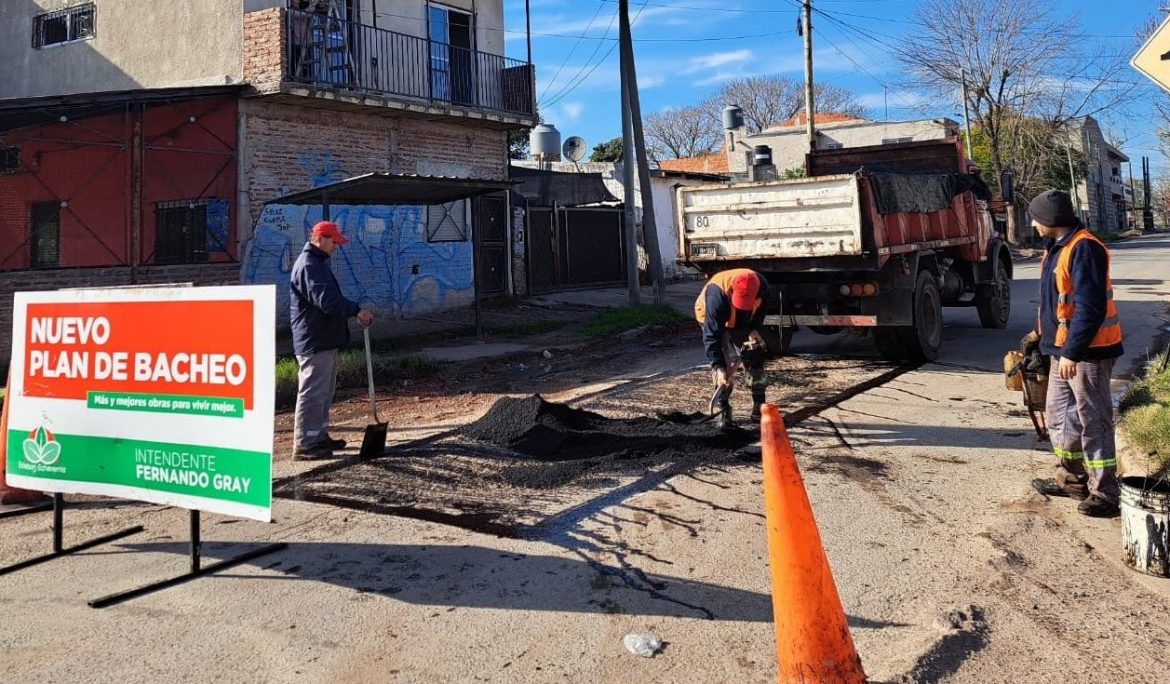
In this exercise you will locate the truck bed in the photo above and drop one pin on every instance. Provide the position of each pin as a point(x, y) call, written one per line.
point(809, 217)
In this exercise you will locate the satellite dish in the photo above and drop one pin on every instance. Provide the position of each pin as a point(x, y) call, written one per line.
point(574, 148)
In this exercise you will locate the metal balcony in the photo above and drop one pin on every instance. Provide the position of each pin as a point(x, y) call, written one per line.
point(332, 53)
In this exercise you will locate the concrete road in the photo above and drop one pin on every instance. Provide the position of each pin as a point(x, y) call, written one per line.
point(949, 567)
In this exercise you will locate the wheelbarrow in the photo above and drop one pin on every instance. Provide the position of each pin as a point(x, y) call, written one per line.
point(1028, 373)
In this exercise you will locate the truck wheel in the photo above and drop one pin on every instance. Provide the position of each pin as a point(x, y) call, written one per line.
point(777, 339)
point(994, 301)
point(889, 343)
point(922, 340)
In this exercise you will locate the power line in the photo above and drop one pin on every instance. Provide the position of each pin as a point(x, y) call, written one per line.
point(600, 6)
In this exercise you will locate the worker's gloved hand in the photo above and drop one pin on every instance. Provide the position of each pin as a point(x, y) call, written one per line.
point(1029, 341)
point(722, 378)
point(757, 340)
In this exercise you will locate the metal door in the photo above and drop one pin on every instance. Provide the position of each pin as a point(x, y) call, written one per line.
point(541, 250)
point(491, 222)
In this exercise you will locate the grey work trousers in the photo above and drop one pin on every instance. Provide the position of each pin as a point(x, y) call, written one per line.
point(316, 384)
point(757, 381)
point(1080, 424)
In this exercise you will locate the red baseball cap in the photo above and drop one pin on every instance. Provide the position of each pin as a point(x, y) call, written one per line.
point(330, 230)
point(745, 290)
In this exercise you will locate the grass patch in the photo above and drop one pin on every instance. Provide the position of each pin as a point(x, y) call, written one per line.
point(616, 321)
point(351, 373)
point(1145, 411)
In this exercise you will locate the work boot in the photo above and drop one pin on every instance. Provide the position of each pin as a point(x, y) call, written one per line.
point(316, 452)
point(724, 421)
point(1096, 507)
point(335, 444)
point(1050, 487)
point(756, 410)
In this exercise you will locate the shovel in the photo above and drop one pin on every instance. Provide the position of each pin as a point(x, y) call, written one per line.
point(374, 441)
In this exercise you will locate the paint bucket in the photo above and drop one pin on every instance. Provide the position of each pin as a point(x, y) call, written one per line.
point(1145, 524)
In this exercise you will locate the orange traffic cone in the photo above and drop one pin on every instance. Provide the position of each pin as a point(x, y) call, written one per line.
point(813, 644)
point(10, 495)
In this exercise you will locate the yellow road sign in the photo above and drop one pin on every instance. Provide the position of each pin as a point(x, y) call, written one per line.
point(1153, 59)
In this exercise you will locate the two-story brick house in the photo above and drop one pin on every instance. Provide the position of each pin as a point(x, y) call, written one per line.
point(146, 142)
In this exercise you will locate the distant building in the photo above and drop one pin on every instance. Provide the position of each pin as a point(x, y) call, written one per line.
point(1103, 195)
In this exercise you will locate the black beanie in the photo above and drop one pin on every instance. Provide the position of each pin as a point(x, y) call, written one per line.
point(1054, 209)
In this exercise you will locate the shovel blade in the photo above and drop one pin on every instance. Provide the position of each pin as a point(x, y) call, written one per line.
point(374, 441)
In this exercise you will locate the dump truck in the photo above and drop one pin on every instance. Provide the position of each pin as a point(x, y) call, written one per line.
point(876, 239)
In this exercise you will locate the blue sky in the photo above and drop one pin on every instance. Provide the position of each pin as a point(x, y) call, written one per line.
point(685, 49)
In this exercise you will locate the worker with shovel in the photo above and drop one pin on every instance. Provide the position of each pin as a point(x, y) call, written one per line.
point(730, 310)
point(320, 327)
point(1079, 328)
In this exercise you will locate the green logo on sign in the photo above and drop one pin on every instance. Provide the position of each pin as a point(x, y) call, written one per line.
point(41, 447)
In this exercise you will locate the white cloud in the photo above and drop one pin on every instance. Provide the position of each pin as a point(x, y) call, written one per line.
point(571, 111)
point(716, 60)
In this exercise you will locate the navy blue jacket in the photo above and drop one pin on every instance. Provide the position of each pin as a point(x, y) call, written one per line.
point(319, 312)
point(719, 312)
point(1090, 270)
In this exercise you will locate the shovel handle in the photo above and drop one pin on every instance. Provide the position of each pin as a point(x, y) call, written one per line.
point(370, 373)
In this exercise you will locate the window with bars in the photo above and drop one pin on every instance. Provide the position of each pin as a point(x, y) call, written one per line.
point(45, 235)
point(447, 222)
point(64, 26)
point(180, 232)
point(9, 159)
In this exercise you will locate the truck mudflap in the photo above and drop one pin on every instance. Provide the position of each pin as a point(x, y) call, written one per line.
point(786, 321)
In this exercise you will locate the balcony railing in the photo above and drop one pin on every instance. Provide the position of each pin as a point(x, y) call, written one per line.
point(324, 51)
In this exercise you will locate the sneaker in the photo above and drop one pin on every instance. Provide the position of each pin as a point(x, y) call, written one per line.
point(313, 453)
point(1049, 487)
point(1096, 507)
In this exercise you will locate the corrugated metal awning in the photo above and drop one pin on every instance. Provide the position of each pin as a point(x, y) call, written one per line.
point(396, 188)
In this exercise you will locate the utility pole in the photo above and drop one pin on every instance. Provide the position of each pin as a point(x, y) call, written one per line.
point(1147, 211)
point(809, 105)
point(631, 101)
point(528, 27)
point(966, 113)
point(631, 228)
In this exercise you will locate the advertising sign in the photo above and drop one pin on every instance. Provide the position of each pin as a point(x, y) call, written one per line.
point(156, 394)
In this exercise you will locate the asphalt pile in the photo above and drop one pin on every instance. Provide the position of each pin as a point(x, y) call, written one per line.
point(533, 428)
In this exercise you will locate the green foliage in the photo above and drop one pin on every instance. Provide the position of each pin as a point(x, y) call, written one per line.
point(615, 321)
point(794, 173)
point(1145, 416)
point(608, 151)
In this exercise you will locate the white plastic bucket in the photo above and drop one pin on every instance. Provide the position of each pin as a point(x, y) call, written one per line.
point(1145, 525)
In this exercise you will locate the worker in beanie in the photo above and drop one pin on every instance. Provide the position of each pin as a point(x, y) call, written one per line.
point(1079, 328)
point(730, 310)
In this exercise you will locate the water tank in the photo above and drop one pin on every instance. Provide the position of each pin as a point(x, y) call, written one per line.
point(545, 140)
point(732, 117)
point(761, 155)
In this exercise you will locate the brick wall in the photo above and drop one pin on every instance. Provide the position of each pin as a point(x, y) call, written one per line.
point(265, 47)
point(33, 281)
point(288, 148)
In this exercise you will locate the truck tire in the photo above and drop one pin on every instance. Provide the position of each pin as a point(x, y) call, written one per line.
point(889, 343)
point(922, 340)
point(777, 339)
point(994, 300)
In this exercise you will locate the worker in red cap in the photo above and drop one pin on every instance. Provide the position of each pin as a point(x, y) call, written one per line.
point(320, 316)
point(730, 310)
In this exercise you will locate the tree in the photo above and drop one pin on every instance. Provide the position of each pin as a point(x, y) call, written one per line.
point(681, 132)
point(1011, 52)
point(768, 100)
point(609, 151)
point(518, 143)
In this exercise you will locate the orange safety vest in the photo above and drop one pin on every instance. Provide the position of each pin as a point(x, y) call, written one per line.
point(722, 281)
point(1109, 333)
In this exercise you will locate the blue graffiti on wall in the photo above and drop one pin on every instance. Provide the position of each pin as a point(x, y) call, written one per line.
point(387, 263)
